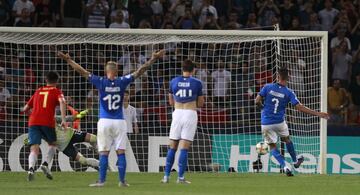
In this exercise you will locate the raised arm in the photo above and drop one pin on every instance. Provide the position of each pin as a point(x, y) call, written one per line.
point(155, 56)
point(74, 65)
point(300, 107)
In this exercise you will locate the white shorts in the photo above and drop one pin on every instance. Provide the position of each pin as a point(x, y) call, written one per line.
point(111, 132)
point(183, 125)
point(271, 132)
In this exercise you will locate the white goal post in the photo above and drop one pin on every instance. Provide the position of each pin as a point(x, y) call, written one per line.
point(233, 65)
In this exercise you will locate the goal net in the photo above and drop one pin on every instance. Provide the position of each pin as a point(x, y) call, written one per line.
point(233, 66)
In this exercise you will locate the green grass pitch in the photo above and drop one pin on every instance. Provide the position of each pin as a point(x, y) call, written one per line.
point(202, 183)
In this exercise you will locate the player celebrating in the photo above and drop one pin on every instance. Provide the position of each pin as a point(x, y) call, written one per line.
point(276, 96)
point(186, 96)
point(111, 126)
point(41, 120)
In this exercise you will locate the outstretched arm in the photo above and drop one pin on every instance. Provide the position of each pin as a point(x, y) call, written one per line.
point(300, 107)
point(155, 56)
point(74, 65)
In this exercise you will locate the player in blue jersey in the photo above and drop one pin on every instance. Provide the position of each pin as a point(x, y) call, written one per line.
point(276, 97)
point(186, 96)
point(111, 125)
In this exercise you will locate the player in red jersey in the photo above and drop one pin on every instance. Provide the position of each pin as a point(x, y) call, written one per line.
point(42, 118)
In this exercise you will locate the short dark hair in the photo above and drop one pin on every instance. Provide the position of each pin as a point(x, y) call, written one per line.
point(188, 66)
point(52, 77)
point(127, 92)
point(284, 73)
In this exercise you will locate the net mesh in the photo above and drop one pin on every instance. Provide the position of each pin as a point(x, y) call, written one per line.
point(232, 68)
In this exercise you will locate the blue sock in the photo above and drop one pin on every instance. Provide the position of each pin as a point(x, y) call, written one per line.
point(291, 150)
point(276, 153)
point(183, 162)
point(170, 157)
point(121, 167)
point(103, 165)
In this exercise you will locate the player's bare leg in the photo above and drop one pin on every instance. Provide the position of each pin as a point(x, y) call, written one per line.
point(184, 146)
point(34, 152)
point(45, 165)
point(290, 148)
point(121, 163)
point(170, 157)
point(280, 158)
point(102, 169)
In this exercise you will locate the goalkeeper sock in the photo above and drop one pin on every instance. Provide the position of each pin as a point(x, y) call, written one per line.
point(32, 160)
point(50, 154)
point(170, 157)
point(104, 160)
point(291, 150)
point(183, 162)
point(276, 153)
point(121, 167)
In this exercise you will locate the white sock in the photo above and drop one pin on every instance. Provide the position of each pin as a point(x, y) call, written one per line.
point(32, 160)
point(92, 162)
point(50, 154)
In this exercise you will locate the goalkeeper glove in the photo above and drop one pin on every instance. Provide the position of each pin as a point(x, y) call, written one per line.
point(82, 114)
point(26, 141)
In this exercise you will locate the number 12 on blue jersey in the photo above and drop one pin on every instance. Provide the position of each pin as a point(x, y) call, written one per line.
point(113, 101)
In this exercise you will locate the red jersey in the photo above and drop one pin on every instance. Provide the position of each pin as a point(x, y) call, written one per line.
point(43, 104)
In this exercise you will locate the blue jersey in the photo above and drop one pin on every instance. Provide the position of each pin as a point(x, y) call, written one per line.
point(185, 89)
point(277, 98)
point(111, 94)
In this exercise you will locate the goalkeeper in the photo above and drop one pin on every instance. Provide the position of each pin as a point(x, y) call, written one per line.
point(66, 138)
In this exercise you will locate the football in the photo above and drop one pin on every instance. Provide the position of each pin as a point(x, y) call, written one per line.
point(262, 148)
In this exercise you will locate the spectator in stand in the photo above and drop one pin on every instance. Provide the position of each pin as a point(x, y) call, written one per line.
point(336, 41)
point(5, 94)
point(204, 76)
point(71, 12)
point(157, 7)
point(355, 35)
point(288, 12)
point(314, 24)
point(15, 75)
point(267, 11)
point(24, 19)
point(295, 25)
point(343, 23)
point(187, 21)
point(4, 13)
point(146, 24)
point(297, 67)
point(44, 16)
point(233, 21)
point(178, 8)
point(119, 21)
point(341, 64)
point(140, 11)
point(97, 11)
point(211, 22)
point(338, 101)
point(252, 21)
point(327, 16)
point(117, 5)
point(207, 10)
point(355, 97)
point(305, 14)
point(222, 81)
point(20, 14)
